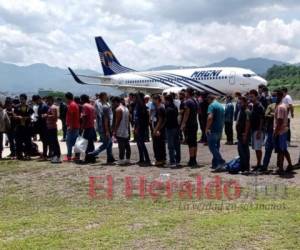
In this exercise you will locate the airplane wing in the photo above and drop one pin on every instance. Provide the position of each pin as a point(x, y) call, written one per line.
point(78, 80)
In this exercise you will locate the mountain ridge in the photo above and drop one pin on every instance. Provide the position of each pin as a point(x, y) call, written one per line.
point(31, 78)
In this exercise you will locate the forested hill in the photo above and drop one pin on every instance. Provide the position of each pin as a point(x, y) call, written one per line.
point(285, 75)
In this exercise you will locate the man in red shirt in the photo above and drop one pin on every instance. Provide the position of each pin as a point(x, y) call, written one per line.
point(88, 116)
point(73, 124)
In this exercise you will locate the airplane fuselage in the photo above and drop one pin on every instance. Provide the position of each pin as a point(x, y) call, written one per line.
point(216, 80)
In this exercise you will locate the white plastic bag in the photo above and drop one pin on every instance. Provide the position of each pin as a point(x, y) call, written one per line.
point(80, 145)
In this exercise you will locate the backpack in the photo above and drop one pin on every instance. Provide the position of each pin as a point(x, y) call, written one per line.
point(233, 166)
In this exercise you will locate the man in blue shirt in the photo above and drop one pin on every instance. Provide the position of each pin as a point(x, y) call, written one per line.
point(229, 114)
point(214, 129)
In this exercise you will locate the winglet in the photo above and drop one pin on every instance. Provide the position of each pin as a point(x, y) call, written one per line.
point(76, 78)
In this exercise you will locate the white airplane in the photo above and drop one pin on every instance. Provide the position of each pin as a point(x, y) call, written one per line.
point(219, 81)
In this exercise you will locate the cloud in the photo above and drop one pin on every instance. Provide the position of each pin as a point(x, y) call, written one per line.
point(145, 33)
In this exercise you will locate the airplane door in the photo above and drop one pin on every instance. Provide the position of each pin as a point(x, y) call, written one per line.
point(232, 78)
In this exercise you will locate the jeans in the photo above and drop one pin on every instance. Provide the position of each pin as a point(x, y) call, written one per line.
point(173, 137)
point(143, 152)
point(23, 141)
point(54, 147)
point(90, 135)
point(106, 145)
point(12, 143)
point(202, 122)
point(269, 146)
point(229, 131)
point(244, 153)
point(159, 146)
point(124, 146)
point(44, 138)
point(64, 128)
point(289, 131)
point(72, 135)
point(1, 143)
point(213, 140)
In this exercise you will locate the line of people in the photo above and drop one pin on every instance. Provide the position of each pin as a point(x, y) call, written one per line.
point(261, 120)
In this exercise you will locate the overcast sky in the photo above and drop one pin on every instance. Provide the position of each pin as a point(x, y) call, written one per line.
point(145, 34)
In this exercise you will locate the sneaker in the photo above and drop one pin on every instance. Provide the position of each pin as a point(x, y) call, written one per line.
point(279, 172)
point(297, 165)
point(193, 164)
point(145, 164)
point(67, 159)
point(75, 158)
point(220, 168)
point(127, 161)
point(289, 168)
point(110, 161)
point(257, 168)
point(121, 162)
point(55, 160)
point(172, 165)
point(158, 163)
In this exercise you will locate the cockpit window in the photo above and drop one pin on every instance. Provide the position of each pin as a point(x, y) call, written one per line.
point(249, 75)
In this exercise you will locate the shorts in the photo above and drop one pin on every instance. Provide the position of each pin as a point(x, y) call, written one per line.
point(257, 144)
point(280, 143)
point(191, 137)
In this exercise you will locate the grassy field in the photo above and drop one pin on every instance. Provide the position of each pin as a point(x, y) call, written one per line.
point(47, 207)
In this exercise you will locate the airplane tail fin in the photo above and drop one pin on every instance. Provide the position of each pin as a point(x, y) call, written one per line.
point(109, 62)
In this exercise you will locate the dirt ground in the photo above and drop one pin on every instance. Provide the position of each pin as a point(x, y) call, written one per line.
point(82, 172)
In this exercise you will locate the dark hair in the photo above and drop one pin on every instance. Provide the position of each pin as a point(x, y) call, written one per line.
point(211, 96)
point(77, 99)
point(35, 98)
point(50, 98)
point(190, 91)
point(261, 86)
point(140, 99)
point(243, 98)
point(253, 92)
point(24, 96)
point(69, 96)
point(102, 94)
point(116, 99)
point(169, 98)
point(156, 97)
point(84, 98)
point(279, 94)
point(284, 89)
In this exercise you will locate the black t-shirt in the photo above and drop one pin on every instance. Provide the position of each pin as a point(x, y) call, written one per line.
point(25, 112)
point(141, 117)
point(63, 108)
point(243, 116)
point(257, 115)
point(192, 104)
point(203, 107)
point(264, 102)
point(171, 116)
point(160, 114)
point(42, 109)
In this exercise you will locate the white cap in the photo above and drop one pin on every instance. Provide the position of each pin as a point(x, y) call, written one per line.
point(147, 96)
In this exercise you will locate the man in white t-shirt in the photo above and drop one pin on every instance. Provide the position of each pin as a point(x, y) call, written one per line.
point(287, 100)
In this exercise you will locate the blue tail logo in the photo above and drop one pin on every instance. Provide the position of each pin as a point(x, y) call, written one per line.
point(109, 62)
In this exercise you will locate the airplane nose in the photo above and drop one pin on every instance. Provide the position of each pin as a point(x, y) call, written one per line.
point(261, 80)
